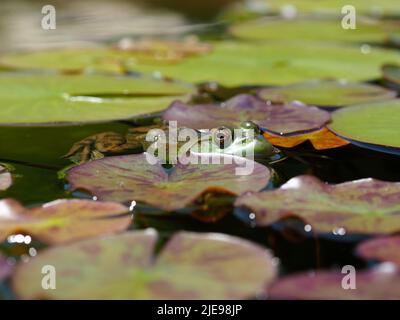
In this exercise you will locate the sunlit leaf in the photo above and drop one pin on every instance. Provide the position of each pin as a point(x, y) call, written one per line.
point(63, 220)
point(189, 266)
point(365, 206)
point(134, 178)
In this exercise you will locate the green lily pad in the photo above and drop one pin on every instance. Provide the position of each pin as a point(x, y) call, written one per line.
point(281, 119)
point(363, 7)
point(328, 93)
point(307, 28)
point(386, 249)
point(234, 63)
point(375, 123)
point(365, 206)
point(63, 220)
point(380, 284)
point(133, 178)
point(58, 99)
point(391, 73)
point(5, 178)
point(190, 266)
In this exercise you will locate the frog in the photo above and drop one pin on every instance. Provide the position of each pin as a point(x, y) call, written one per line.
point(245, 140)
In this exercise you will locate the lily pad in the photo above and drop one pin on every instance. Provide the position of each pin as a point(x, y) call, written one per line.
point(375, 123)
point(321, 140)
point(365, 206)
point(190, 266)
point(277, 118)
point(233, 63)
point(134, 178)
point(328, 93)
point(51, 98)
point(63, 220)
point(380, 284)
point(385, 249)
point(5, 178)
point(391, 73)
point(312, 29)
point(6, 268)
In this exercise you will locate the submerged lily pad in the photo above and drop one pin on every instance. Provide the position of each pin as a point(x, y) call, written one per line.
point(365, 206)
point(190, 266)
point(5, 178)
point(321, 140)
point(380, 284)
point(385, 249)
point(51, 98)
point(277, 118)
point(234, 63)
point(307, 28)
point(328, 93)
point(375, 123)
point(391, 73)
point(134, 178)
point(63, 220)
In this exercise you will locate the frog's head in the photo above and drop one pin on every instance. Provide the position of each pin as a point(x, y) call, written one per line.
point(246, 140)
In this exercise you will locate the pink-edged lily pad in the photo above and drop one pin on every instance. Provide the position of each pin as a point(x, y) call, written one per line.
point(385, 249)
point(282, 119)
point(382, 283)
point(189, 266)
point(63, 220)
point(365, 206)
point(5, 178)
point(133, 178)
point(6, 268)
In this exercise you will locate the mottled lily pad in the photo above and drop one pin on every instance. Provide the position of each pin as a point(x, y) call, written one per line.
point(134, 178)
point(321, 140)
point(375, 123)
point(365, 206)
point(307, 28)
point(234, 63)
point(189, 266)
point(51, 98)
point(63, 220)
point(277, 118)
point(380, 284)
point(5, 178)
point(385, 249)
point(328, 93)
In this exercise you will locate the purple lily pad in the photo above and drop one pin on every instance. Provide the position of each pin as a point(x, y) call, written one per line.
point(190, 266)
point(6, 268)
point(5, 179)
point(382, 283)
point(132, 178)
point(288, 118)
point(366, 206)
point(383, 249)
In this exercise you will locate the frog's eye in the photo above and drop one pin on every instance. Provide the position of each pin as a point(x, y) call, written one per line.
point(222, 137)
point(250, 125)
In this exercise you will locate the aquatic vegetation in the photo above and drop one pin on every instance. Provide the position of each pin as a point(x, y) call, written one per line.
point(189, 266)
point(5, 178)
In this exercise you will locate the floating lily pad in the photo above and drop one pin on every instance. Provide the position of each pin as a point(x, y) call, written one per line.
point(277, 118)
point(366, 7)
point(321, 140)
point(5, 178)
point(380, 284)
point(385, 249)
point(391, 73)
point(307, 28)
point(63, 220)
point(234, 63)
point(375, 123)
point(190, 266)
point(51, 98)
point(6, 268)
point(365, 206)
point(134, 178)
point(328, 93)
